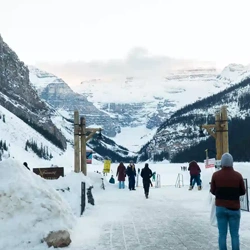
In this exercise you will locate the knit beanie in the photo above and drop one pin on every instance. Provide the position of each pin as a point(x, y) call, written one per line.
point(226, 160)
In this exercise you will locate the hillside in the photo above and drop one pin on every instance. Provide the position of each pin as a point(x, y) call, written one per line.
point(181, 131)
point(18, 96)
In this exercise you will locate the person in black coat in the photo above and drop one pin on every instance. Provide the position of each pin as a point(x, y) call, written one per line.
point(146, 174)
point(131, 173)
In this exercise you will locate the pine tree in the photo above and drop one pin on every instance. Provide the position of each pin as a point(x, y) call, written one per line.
point(5, 146)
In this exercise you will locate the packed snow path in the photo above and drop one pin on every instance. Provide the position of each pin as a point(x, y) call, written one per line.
point(171, 218)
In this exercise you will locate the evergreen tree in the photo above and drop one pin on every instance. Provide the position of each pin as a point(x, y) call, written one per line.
point(5, 146)
point(26, 146)
point(41, 151)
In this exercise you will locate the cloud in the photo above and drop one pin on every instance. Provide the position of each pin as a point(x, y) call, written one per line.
point(138, 63)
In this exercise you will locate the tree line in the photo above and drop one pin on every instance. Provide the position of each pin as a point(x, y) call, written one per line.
point(41, 151)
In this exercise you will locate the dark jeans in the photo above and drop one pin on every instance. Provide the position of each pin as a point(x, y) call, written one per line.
point(231, 218)
point(193, 179)
point(131, 183)
point(146, 185)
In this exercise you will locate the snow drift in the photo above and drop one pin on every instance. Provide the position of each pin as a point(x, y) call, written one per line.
point(30, 208)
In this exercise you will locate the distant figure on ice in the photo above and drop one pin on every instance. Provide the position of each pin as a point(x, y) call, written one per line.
point(26, 165)
point(112, 180)
point(131, 173)
point(227, 185)
point(146, 174)
point(121, 174)
point(195, 171)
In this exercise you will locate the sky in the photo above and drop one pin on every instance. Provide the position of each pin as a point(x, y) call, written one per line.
point(85, 33)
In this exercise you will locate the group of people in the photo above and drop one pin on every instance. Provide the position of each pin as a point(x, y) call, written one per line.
point(146, 174)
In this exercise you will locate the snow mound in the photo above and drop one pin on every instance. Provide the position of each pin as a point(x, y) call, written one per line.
point(69, 187)
point(30, 208)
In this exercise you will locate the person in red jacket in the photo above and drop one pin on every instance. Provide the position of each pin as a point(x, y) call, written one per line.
point(227, 185)
point(121, 173)
point(195, 171)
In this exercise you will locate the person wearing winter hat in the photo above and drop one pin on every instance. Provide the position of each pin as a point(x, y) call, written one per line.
point(227, 185)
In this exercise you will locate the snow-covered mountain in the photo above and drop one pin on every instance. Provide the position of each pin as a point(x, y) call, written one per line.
point(181, 130)
point(134, 106)
point(146, 103)
point(61, 97)
point(33, 130)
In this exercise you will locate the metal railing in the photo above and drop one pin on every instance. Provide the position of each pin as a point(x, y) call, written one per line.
point(179, 181)
point(158, 181)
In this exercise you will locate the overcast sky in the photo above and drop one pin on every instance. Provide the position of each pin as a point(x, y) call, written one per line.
point(90, 32)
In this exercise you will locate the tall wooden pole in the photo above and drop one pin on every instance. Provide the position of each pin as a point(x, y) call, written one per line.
point(218, 139)
point(224, 129)
point(76, 142)
point(83, 146)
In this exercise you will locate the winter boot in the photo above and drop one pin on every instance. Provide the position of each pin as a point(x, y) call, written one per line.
point(146, 195)
point(190, 187)
point(199, 187)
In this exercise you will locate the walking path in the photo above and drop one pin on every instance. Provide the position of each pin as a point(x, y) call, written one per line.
point(172, 218)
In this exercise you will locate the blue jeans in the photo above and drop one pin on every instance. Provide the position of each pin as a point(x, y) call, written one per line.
point(195, 179)
point(227, 217)
point(121, 184)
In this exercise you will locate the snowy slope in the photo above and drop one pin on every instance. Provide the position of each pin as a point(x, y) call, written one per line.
point(16, 132)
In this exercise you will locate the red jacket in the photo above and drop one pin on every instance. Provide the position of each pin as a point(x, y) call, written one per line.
point(227, 185)
point(194, 168)
point(121, 172)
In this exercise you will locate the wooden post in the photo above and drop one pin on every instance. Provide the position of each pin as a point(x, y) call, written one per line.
point(218, 139)
point(206, 156)
point(224, 130)
point(83, 146)
point(76, 142)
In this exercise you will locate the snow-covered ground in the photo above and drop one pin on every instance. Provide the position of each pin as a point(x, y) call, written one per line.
point(172, 218)
point(133, 138)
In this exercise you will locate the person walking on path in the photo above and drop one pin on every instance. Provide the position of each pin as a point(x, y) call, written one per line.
point(227, 185)
point(121, 174)
point(131, 173)
point(146, 174)
point(195, 171)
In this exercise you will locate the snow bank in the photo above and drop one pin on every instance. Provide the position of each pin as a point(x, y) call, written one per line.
point(30, 208)
point(69, 187)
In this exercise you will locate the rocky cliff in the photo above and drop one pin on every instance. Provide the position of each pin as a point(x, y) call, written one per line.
point(59, 95)
point(19, 97)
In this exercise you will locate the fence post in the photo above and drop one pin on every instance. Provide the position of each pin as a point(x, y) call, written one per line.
point(179, 181)
point(158, 181)
point(83, 197)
